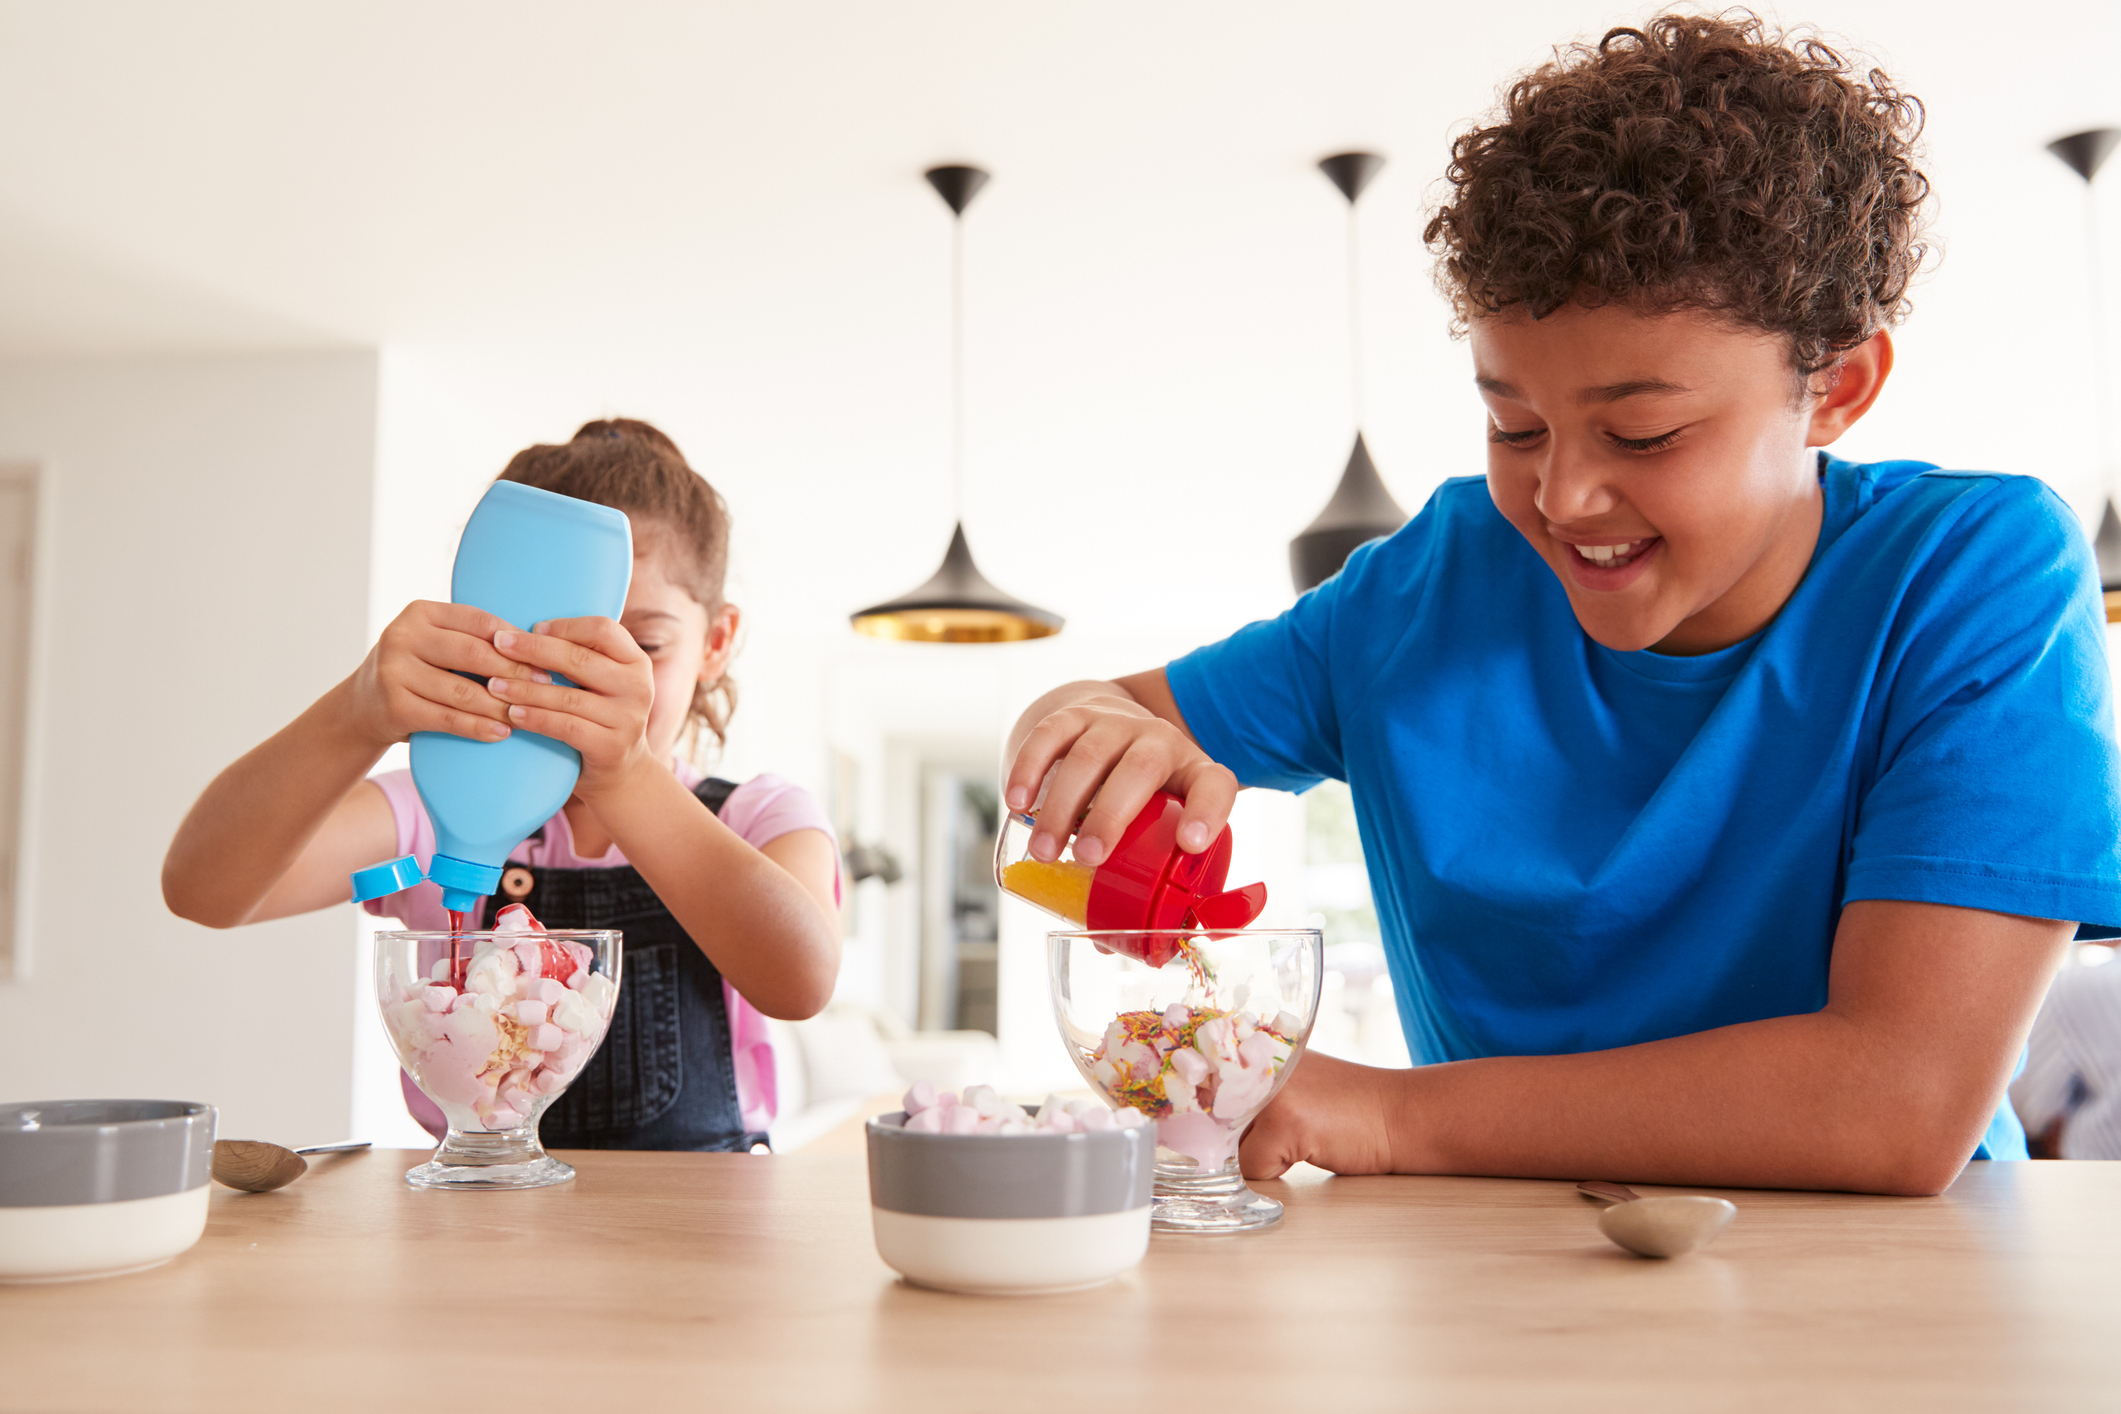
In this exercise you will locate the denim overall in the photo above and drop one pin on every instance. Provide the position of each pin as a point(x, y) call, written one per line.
point(663, 1077)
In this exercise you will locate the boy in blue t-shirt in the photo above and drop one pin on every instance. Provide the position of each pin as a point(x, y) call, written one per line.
point(1727, 807)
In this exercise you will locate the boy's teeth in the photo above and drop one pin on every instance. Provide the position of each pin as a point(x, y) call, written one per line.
point(1608, 555)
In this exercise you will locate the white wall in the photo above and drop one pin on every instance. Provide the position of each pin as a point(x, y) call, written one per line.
point(202, 575)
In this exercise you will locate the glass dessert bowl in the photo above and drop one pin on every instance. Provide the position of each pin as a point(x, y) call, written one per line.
point(493, 1027)
point(1197, 1030)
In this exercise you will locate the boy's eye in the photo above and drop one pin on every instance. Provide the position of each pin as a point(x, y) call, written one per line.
point(1512, 439)
point(1648, 444)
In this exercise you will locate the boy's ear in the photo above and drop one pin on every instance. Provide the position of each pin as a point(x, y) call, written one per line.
point(1851, 386)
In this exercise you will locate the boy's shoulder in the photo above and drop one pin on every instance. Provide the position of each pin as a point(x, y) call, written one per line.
point(1962, 505)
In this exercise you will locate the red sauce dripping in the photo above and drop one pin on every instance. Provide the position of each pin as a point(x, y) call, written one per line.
point(459, 952)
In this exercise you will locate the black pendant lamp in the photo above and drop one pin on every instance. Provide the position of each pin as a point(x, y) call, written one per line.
point(958, 604)
point(1361, 508)
point(2085, 152)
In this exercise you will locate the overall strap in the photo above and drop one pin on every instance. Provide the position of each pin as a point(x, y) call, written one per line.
point(714, 793)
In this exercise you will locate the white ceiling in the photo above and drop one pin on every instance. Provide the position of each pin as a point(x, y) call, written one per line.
point(712, 214)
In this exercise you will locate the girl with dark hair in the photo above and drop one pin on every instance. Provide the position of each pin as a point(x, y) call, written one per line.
point(727, 893)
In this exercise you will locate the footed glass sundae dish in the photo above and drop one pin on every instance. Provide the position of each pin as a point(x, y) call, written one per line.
point(493, 1027)
point(1196, 1030)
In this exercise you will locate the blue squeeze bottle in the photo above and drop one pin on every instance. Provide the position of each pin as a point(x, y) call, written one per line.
point(526, 556)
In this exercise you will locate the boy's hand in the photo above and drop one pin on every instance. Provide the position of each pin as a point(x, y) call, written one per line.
point(1107, 755)
point(1332, 1113)
point(410, 680)
point(604, 716)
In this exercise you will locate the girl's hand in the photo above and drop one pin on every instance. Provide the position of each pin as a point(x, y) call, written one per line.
point(410, 681)
point(604, 716)
point(1107, 755)
point(1332, 1113)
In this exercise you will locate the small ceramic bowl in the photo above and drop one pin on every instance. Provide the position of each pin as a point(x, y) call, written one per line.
point(96, 1188)
point(1010, 1214)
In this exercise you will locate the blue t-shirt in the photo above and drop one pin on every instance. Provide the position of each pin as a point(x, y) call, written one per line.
point(1572, 848)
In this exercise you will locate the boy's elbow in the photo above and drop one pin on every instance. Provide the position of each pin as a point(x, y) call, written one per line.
point(1916, 1158)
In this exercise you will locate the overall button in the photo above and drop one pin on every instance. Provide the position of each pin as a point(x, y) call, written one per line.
point(517, 882)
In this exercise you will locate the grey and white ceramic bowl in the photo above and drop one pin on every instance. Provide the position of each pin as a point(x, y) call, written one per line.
point(1010, 1214)
point(94, 1188)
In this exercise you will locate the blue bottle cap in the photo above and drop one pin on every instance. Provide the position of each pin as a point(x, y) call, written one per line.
point(383, 880)
point(463, 882)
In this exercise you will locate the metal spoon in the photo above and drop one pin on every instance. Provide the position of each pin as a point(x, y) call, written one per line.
point(1658, 1227)
point(258, 1167)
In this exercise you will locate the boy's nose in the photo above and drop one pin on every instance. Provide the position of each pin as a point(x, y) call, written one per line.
point(1572, 488)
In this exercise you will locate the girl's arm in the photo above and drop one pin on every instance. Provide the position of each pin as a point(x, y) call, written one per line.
point(765, 918)
point(278, 832)
point(1886, 1089)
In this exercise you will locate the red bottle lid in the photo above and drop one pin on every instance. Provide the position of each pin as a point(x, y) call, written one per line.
point(1149, 882)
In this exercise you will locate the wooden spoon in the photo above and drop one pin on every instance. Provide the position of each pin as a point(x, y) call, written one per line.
point(1658, 1227)
point(258, 1167)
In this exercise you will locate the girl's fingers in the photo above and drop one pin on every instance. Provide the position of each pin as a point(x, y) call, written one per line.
point(422, 682)
point(457, 652)
point(415, 711)
point(458, 618)
point(574, 701)
point(606, 636)
point(577, 662)
point(577, 732)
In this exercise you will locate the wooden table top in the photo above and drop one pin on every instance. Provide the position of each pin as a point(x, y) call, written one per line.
point(696, 1281)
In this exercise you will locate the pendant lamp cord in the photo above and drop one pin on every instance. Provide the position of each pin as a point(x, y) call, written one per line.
point(2102, 369)
point(1354, 316)
point(957, 368)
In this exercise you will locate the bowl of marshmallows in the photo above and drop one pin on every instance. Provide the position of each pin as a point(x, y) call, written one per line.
point(980, 1195)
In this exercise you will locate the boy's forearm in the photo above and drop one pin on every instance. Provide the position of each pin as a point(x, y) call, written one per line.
point(757, 924)
point(250, 824)
point(1790, 1102)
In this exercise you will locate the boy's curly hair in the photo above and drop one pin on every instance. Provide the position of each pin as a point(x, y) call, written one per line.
point(1700, 162)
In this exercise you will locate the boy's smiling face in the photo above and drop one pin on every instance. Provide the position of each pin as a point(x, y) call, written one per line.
point(1661, 464)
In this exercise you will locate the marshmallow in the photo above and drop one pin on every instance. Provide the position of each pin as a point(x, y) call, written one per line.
point(948, 1114)
point(1191, 1064)
point(1214, 1085)
point(493, 1050)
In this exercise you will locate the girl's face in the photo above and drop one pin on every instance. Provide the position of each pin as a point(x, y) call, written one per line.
point(1661, 465)
point(684, 643)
